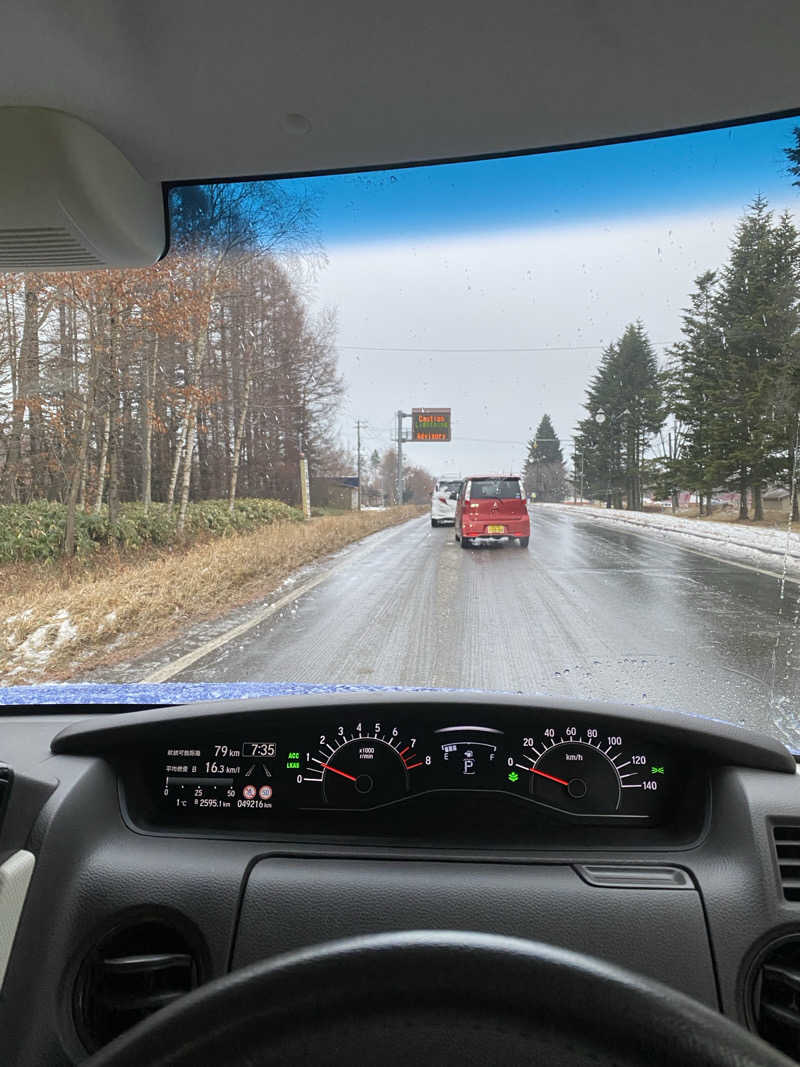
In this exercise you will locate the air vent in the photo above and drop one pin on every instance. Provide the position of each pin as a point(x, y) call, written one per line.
point(131, 973)
point(775, 995)
point(43, 248)
point(787, 849)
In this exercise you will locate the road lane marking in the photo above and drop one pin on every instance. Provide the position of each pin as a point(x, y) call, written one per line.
point(169, 670)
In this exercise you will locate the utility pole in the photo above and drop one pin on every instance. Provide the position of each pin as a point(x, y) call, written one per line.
point(305, 489)
point(399, 487)
point(358, 464)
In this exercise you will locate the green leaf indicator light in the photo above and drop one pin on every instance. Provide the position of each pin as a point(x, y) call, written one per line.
point(513, 776)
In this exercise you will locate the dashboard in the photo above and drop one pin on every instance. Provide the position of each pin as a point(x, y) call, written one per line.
point(589, 771)
point(483, 774)
point(225, 833)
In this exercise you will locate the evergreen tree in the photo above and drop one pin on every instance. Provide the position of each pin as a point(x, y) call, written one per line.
point(793, 155)
point(625, 405)
point(544, 472)
point(696, 388)
point(756, 312)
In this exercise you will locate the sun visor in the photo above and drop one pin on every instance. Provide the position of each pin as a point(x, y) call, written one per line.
point(70, 200)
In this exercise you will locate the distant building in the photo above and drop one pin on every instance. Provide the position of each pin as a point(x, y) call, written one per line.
point(334, 492)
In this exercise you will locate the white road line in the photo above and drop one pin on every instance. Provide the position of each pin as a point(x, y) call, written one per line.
point(674, 543)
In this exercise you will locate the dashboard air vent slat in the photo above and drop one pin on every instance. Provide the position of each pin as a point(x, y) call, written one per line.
point(132, 972)
point(775, 995)
point(787, 849)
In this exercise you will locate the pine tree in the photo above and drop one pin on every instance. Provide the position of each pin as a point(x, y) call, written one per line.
point(625, 402)
point(544, 473)
point(697, 392)
point(793, 155)
point(756, 311)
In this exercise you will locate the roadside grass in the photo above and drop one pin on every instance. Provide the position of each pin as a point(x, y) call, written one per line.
point(772, 521)
point(57, 620)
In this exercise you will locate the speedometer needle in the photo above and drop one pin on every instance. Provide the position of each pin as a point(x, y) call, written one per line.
point(344, 774)
point(544, 774)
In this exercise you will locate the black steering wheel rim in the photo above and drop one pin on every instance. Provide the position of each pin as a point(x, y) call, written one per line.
point(444, 997)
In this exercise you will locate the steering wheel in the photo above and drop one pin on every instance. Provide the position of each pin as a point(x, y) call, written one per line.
point(444, 998)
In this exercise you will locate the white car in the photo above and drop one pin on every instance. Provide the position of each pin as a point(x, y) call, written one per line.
point(443, 501)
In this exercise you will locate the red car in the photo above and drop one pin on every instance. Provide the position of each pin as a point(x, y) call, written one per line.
point(492, 507)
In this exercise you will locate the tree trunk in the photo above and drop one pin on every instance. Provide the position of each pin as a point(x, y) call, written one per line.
point(237, 445)
point(78, 482)
point(14, 449)
point(147, 445)
point(31, 385)
point(743, 510)
point(187, 470)
point(113, 422)
point(758, 506)
point(101, 471)
point(180, 448)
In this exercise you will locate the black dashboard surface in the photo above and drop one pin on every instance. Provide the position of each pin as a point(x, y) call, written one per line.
point(681, 885)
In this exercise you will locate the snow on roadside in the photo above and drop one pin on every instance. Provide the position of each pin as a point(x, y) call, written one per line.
point(757, 546)
point(33, 653)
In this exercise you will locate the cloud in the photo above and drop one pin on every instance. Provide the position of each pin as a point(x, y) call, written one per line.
point(557, 287)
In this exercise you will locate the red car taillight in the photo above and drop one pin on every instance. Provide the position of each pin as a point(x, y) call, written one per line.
point(443, 499)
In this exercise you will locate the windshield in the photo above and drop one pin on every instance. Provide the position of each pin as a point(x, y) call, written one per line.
point(219, 470)
point(449, 487)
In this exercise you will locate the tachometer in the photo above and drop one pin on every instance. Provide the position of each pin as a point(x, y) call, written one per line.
point(363, 768)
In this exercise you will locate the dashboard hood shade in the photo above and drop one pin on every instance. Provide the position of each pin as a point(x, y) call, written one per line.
point(721, 740)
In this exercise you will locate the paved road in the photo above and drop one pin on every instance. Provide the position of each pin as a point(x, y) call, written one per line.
point(588, 611)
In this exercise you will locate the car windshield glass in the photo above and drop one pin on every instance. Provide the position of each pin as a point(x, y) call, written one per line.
point(495, 488)
point(220, 471)
point(450, 487)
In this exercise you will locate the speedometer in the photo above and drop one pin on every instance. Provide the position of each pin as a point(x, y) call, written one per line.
point(588, 772)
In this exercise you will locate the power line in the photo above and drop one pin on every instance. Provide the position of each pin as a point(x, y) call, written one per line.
point(489, 351)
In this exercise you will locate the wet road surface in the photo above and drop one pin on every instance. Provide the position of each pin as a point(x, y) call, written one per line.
point(587, 611)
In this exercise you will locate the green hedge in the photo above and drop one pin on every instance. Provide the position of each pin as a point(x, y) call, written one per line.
point(36, 531)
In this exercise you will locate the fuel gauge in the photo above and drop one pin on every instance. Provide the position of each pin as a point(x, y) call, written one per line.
point(471, 756)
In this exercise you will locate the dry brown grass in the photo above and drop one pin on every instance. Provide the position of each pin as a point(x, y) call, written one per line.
point(772, 519)
point(57, 620)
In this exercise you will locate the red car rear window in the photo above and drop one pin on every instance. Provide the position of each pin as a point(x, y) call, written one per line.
point(495, 489)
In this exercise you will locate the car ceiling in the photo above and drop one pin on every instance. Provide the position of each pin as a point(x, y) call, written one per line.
point(192, 89)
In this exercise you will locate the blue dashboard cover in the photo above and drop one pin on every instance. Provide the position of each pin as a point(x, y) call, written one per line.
point(179, 692)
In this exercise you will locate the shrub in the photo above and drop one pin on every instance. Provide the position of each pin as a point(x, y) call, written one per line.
point(35, 531)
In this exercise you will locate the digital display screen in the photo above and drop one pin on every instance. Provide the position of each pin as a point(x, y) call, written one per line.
point(430, 424)
point(583, 770)
point(264, 749)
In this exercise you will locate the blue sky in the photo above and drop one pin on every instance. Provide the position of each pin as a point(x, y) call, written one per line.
point(682, 173)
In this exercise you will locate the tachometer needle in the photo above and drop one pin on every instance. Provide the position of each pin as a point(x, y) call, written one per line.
point(344, 774)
